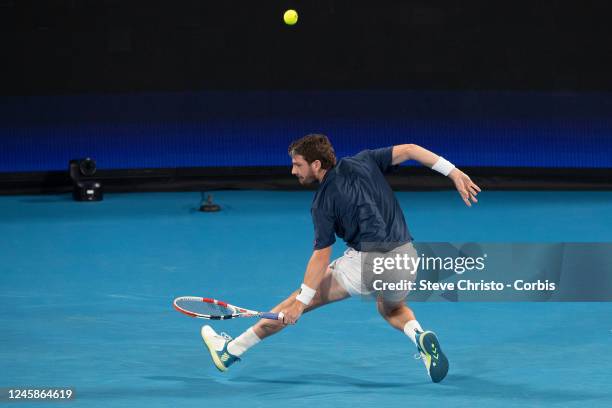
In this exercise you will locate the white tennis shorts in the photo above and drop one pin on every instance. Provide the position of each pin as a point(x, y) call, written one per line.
point(347, 270)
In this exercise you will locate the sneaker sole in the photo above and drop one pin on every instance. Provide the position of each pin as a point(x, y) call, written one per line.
point(439, 363)
point(215, 358)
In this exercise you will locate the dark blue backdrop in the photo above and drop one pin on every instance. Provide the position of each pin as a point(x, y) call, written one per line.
point(165, 130)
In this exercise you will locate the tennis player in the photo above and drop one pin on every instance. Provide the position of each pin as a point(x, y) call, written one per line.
point(354, 202)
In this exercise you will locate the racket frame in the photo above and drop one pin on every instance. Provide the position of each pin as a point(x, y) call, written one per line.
point(236, 311)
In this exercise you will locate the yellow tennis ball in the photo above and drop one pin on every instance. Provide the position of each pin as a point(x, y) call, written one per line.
point(290, 17)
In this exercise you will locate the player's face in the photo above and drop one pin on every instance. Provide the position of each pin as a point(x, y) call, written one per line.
point(302, 170)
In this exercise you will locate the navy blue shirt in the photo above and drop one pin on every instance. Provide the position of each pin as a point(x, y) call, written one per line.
point(355, 202)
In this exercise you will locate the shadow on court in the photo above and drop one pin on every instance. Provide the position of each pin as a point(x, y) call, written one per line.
point(329, 380)
point(455, 386)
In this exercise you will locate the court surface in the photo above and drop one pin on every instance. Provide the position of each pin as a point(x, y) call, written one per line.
point(86, 292)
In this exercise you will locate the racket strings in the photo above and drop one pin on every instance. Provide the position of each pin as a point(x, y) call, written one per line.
point(204, 308)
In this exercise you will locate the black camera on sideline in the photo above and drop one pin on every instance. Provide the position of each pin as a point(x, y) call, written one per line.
point(84, 187)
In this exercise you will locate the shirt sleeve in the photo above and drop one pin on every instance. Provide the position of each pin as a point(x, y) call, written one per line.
point(383, 158)
point(324, 234)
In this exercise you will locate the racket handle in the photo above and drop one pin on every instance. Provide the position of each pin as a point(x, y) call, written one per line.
point(272, 316)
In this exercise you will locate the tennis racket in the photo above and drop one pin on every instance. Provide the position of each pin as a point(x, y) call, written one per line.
point(207, 308)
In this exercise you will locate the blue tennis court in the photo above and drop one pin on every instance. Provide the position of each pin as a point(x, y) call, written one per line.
point(86, 296)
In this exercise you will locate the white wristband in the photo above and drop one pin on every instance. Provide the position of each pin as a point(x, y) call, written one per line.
point(306, 294)
point(443, 166)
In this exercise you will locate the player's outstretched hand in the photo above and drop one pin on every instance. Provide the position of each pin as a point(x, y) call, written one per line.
point(465, 186)
point(293, 312)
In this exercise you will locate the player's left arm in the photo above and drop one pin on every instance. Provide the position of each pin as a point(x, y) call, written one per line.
point(317, 265)
point(465, 186)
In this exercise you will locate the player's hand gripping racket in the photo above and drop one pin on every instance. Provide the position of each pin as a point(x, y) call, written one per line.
point(206, 308)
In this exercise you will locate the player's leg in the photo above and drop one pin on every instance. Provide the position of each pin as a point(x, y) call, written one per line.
point(392, 307)
point(391, 304)
point(397, 314)
point(400, 316)
point(225, 351)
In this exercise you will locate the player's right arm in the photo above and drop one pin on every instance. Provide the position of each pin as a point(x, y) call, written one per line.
point(464, 185)
point(405, 152)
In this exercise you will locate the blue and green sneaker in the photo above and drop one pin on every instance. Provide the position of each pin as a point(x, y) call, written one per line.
point(217, 346)
point(432, 355)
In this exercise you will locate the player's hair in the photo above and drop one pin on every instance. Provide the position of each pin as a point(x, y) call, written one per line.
point(314, 147)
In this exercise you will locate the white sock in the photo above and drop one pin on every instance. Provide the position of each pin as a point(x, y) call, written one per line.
point(411, 328)
point(243, 342)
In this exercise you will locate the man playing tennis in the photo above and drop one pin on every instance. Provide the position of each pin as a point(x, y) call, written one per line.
point(354, 202)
